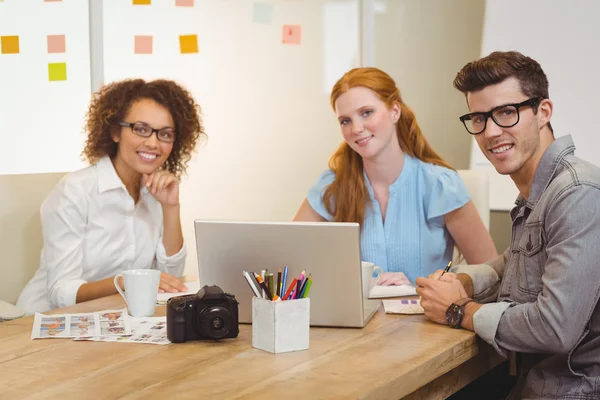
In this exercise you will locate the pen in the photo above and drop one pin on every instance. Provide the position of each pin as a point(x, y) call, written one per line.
point(252, 276)
point(289, 291)
point(297, 291)
point(304, 285)
point(307, 289)
point(447, 268)
point(283, 282)
point(254, 289)
point(278, 288)
point(271, 285)
point(262, 284)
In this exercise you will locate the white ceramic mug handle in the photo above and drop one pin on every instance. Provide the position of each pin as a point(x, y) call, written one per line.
point(376, 280)
point(116, 281)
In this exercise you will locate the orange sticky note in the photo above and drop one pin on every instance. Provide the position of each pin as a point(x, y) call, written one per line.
point(9, 44)
point(188, 44)
point(57, 72)
point(142, 2)
point(184, 3)
point(143, 45)
point(292, 34)
point(56, 44)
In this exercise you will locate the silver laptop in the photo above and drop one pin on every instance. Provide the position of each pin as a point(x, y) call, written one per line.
point(327, 250)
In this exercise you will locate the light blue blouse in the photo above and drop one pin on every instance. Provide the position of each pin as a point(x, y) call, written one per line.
point(414, 238)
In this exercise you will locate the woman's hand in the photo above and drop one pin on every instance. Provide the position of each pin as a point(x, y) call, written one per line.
point(164, 186)
point(393, 278)
point(170, 284)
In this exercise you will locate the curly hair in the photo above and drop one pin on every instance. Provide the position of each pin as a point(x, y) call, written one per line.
point(112, 102)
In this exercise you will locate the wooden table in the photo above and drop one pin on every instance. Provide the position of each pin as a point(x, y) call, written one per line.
point(392, 357)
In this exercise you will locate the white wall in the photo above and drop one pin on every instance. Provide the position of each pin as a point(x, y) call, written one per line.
point(41, 121)
point(265, 105)
point(422, 45)
point(563, 37)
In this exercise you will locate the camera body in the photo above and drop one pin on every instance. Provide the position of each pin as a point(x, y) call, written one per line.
point(209, 314)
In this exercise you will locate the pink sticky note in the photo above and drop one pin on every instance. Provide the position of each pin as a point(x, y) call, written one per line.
point(184, 3)
point(143, 45)
point(291, 34)
point(56, 44)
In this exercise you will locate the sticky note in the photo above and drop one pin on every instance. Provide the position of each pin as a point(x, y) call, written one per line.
point(51, 1)
point(9, 44)
point(188, 44)
point(142, 2)
point(291, 34)
point(184, 3)
point(57, 72)
point(262, 13)
point(56, 44)
point(143, 45)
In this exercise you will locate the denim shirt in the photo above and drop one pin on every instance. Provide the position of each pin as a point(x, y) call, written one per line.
point(544, 289)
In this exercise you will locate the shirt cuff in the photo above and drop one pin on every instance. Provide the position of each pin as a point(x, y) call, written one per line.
point(171, 264)
point(65, 294)
point(486, 321)
point(483, 276)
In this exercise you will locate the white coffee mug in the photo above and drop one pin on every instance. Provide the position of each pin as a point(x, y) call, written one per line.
point(368, 268)
point(141, 289)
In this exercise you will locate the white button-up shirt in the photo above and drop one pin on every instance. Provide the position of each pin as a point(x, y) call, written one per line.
point(92, 230)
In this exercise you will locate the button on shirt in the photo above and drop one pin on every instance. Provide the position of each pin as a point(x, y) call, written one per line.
point(545, 288)
point(414, 238)
point(92, 230)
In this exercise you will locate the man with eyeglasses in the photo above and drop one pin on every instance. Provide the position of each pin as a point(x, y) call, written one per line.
point(538, 301)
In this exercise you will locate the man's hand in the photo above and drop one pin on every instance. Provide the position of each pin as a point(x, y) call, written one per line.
point(438, 295)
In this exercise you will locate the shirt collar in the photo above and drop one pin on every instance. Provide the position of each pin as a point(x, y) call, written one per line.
point(107, 175)
point(546, 169)
point(108, 179)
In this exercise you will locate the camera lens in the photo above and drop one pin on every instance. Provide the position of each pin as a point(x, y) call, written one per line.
point(217, 323)
point(214, 322)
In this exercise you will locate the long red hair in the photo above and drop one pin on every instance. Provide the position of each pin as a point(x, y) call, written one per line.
point(347, 197)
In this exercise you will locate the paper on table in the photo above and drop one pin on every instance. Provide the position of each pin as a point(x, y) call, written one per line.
point(380, 291)
point(412, 306)
point(107, 322)
point(152, 330)
point(193, 288)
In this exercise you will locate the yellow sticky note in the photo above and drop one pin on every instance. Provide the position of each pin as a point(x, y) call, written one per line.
point(188, 44)
point(9, 44)
point(57, 72)
point(142, 2)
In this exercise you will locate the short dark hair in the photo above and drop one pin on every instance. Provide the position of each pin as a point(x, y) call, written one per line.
point(501, 65)
point(113, 101)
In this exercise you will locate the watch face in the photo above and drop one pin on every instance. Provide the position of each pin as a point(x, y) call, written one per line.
point(453, 315)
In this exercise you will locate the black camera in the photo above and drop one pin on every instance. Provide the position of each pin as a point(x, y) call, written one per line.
point(208, 314)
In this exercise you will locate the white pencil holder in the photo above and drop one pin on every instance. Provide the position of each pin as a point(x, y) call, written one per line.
point(280, 326)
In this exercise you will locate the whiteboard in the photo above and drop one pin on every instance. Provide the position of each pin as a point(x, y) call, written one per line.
point(563, 37)
point(265, 104)
point(41, 121)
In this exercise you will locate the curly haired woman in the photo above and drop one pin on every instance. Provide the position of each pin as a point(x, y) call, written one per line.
point(122, 212)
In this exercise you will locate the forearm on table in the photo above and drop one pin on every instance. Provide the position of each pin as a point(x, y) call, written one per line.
point(95, 290)
point(172, 234)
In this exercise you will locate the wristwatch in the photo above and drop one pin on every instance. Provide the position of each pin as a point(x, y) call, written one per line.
point(454, 314)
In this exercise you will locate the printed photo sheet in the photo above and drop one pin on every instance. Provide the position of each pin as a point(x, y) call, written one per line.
point(152, 330)
point(102, 323)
